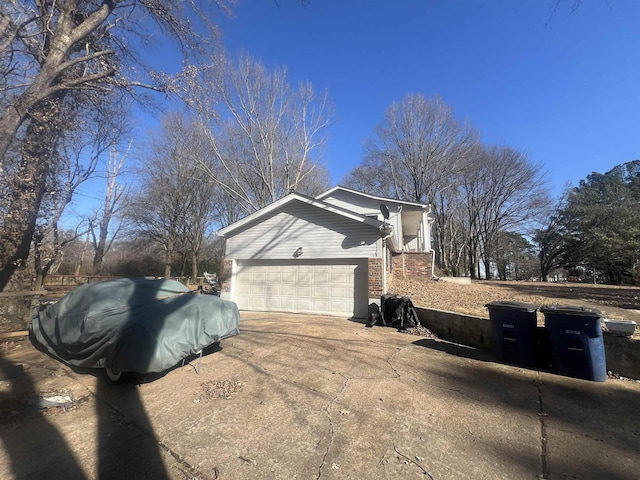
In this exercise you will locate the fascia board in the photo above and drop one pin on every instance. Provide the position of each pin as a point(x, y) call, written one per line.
point(372, 197)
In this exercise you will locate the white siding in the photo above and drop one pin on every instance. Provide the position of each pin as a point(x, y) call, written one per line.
point(320, 233)
point(356, 203)
point(411, 215)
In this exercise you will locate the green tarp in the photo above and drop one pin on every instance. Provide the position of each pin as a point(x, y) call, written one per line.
point(132, 325)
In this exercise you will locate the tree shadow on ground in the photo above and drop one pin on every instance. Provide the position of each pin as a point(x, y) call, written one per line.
point(23, 424)
point(589, 430)
point(456, 349)
point(125, 443)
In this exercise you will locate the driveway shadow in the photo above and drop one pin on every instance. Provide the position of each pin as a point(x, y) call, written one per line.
point(23, 424)
point(456, 349)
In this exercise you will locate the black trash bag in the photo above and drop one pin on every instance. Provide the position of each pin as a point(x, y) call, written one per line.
point(397, 312)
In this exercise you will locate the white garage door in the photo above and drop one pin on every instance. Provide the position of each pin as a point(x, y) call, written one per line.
point(329, 287)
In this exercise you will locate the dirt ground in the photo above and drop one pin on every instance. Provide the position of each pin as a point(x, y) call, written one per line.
point(618, 302)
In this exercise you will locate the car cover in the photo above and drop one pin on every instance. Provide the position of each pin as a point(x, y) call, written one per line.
point(132, 325)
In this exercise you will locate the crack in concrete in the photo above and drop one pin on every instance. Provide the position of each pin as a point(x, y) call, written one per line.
point(410, 461)
point(543, 429)
point(192, 472)
point(388, 360)
point(327, 411)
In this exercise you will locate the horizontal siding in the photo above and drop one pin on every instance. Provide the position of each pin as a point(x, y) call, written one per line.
point(355, 203)
point(321, 234)
point(368, 206)
point(360, 204)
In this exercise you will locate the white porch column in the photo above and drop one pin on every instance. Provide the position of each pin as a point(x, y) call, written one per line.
point(426, 237)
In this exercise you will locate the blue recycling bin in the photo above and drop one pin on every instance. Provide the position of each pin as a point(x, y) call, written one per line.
point(513, 329)
point(576, 343)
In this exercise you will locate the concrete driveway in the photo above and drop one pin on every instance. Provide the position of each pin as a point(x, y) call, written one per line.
point(303, 397)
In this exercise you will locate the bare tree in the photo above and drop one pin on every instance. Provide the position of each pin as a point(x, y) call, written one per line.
point(265, 137)
point(417, 153)
point(49, 50)
point(87, 136)
point(115, 196)
point(370, 177)
point(173, 208)
point(420, 146)
point(504, 191)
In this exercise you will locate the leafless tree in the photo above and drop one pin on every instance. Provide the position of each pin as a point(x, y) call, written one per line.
point(417, 153)
point(420, 146)
point(265, 137)
point(174, 205)
point(48, 50)
point(426, 155)
point(88, 134)
point(114, 199)
point(503, 191)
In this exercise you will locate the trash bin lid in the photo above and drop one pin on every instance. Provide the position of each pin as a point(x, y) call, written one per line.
point(570, 310)
point(519, 306)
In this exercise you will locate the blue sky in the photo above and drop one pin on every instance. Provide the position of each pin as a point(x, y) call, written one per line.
point(563, 89)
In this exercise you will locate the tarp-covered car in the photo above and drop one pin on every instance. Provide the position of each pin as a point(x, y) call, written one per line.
point(132, 325)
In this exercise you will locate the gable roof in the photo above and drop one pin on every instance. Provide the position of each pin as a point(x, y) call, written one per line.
point(372, 197)
point(295, 196)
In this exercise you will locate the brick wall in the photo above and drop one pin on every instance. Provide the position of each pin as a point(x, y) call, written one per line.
point(376, 287)
point(413, 264)
point(225, 277)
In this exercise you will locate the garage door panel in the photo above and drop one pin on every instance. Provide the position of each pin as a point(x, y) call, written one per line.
point(305, 276)
point(274, 277)
point(289, 276)
point(287, 304)
point(340, 292)
point(340, 278)
point(259, 303)
point(304, 305)
point(305, 287)
point(321, 305)
point(259, 277)
point(287, 290)
point(339, 306)
point(321, 291)
point(272, 303)
point(321, 277)
point(303, 291)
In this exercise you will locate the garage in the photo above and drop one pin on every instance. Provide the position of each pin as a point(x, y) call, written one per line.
point(327, 287)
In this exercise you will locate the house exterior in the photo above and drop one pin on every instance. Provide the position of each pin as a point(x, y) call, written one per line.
point(331, 254)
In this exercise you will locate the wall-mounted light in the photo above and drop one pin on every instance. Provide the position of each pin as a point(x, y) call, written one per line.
point(298, 252)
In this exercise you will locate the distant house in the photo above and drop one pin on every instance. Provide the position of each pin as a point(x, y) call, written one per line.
point(331, 254)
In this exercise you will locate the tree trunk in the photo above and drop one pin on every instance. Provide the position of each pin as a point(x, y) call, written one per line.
point(194, 268)
point(487, 268)
point(84, 251)
point(168, 258)
point(98, 256)
point(28, 188)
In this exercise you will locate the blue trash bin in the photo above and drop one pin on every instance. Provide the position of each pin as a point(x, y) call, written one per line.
point(575, 338)
point(513, 329)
